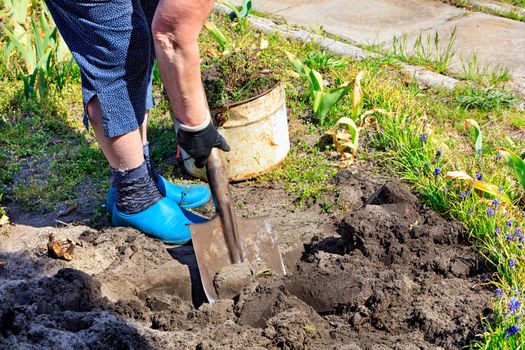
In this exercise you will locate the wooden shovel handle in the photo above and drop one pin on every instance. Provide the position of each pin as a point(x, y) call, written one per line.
point(220, 188)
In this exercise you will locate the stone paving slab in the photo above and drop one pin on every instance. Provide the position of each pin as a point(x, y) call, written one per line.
point(367, 22)
point(496, 40)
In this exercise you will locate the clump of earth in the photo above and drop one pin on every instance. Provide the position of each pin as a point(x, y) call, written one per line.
point(385, 274)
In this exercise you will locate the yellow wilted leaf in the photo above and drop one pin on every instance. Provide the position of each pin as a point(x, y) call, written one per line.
point(478, 185)
point(357, 96)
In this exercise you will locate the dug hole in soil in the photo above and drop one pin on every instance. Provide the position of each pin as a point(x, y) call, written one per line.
point(385, 274)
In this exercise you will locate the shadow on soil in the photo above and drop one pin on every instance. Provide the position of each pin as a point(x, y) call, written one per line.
point(64, 311)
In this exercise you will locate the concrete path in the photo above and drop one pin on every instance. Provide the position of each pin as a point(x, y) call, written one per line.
point(496, 40)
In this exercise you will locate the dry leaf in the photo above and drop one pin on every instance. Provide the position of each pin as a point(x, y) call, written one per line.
point(54, 250)
point(4, 220)
point(2, 263)
point(68, 254)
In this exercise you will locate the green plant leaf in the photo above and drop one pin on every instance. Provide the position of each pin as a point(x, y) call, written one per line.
point(471, 124)
point(297, 64)
point(516, 164)
point(25, 51)
point(329, 99)
point(316, 80)
point(19, 10)
point(219, 36)
point(246, 8)
point(231, 7)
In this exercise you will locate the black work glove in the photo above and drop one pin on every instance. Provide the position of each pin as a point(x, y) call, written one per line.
point(198, 144)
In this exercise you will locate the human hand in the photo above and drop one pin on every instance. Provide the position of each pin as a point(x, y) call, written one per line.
point(198, 144)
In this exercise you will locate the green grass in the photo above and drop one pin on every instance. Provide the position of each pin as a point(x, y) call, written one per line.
point(48, 158)
point(510, 13)
point(427, 50)
point(485, 99)
point(481, 74)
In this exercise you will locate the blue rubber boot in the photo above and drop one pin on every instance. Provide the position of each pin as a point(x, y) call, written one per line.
point(164, 221)
point(186, 196)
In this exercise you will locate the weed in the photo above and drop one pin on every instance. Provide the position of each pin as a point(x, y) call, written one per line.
point(484, 99)
point(483, 74)
point(427, 52)
point(323, 61)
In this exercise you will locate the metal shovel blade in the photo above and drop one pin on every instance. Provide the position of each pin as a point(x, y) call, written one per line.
point(228, 239)
point(256, 241)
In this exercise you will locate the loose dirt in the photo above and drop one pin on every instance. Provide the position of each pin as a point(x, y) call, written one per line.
point(381, 273)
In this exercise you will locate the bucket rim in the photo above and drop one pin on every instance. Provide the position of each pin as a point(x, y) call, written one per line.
point(226, 107)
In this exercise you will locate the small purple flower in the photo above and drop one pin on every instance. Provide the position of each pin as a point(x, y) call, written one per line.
point(523, 215)
point(439, 152)
point(519, 235)
point(500, 189)
point(470, 211)
point(495, 202)
point(517, 231)
point(437, 172)
point(520, 245)
point(512, 263)
point(423, 138)
point(499, 156)
point(462, 195)
point(381, 130)
point(490, 212)
point(512, 330)
point(479, 176)
point(514, 305)
point(509, 237)
point(498, 292)
point(509, 223)
point(479, 151)
point(497, 231)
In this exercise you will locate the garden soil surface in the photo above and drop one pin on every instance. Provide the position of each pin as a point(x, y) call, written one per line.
point(381, 272)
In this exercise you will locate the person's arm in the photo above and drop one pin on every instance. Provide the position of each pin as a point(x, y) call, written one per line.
point(176, 26)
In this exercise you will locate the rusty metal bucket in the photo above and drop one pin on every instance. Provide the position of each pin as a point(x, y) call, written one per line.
point(257, 132)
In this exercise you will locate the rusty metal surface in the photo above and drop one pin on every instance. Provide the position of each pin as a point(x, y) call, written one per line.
point(257, 132)
point(257, 241)
point(228, 239)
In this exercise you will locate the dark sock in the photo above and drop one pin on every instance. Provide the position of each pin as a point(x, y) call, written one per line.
point(149, 163)
point(136, 190)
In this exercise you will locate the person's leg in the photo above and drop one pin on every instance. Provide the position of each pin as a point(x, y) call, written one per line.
point(175, 30)
point(114, 70)
point(143, 129)
point(122, 152)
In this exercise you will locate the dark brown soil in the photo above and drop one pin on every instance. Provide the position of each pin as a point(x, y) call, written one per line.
point(395, 276)
point(235, 77)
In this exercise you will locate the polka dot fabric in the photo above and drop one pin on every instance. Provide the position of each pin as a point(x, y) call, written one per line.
point(111, 42)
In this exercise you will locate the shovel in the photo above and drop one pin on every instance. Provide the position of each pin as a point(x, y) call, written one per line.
point(229, 239)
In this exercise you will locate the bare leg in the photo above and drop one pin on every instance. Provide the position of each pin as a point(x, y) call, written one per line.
point(122, 152)
point(176, 27)
point(144, 128)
